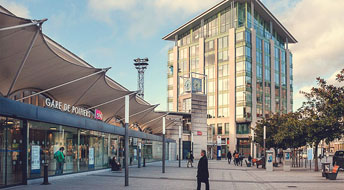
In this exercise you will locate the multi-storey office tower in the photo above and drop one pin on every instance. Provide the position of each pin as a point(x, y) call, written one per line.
point(243, 50)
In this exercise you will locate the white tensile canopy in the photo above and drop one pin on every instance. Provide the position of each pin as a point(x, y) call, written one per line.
point(29, 60)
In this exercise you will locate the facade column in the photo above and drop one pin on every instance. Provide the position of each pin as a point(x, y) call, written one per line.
point(272, 60)
point(254, 88)
point(254, 81)
point(232, 91)
point(263, 78)
point(78, 152)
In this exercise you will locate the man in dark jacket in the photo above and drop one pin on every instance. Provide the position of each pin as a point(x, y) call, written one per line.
point(202, 172)
point(229, 156)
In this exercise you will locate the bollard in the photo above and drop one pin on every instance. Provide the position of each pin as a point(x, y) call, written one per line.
point(144, 162)
point(45, 179)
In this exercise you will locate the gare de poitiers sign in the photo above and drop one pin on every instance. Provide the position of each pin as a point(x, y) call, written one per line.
point(73, 109)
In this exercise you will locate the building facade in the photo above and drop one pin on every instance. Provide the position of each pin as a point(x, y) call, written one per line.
point(243, 51)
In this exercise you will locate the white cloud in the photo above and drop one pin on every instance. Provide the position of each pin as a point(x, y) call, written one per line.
point(319, 29)
point(15, 8)
point(332, 79)
point(146, 18)
point(299, 98)
point(103, 10)
point(111, 5)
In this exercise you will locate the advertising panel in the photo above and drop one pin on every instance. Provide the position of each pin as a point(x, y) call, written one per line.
point(35, 159)
point(91, 157)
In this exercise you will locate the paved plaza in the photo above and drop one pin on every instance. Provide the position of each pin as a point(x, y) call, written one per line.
point(222, 176)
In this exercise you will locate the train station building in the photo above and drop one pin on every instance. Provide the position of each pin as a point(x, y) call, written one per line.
point(51, 98)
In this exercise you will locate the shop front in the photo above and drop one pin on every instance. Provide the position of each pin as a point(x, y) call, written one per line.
point(26, 144)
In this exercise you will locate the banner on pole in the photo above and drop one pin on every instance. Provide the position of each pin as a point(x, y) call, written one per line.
point(309, 153)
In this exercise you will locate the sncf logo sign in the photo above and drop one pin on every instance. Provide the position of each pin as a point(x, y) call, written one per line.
point(98, 115)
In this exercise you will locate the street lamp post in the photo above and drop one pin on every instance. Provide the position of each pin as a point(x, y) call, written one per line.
point(126, 140)
point(192, 143)
point(180, 141)
point(163, 143)
point(264, 142)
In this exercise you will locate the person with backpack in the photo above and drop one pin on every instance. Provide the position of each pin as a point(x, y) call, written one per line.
point(60, 160)
point(241, 158)
point(236, 158)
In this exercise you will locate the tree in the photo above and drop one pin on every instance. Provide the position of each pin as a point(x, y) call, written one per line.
point(322, 113)
point(291, 133)
point(282, 131)
point(272, 128)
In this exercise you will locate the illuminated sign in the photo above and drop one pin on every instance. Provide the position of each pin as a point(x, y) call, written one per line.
point(71, 109)
point(98, 115)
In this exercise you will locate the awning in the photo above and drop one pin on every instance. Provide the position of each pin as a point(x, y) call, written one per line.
point(29, 60)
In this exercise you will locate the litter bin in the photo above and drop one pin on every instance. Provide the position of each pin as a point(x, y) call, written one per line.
point(325, 166)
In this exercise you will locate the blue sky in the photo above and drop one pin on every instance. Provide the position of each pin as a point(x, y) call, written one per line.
point(111, 33)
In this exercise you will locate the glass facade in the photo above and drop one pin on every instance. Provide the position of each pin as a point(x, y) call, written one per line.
point(209, 59)
point(84, 150)
point(277, 80)
point(223, 78)
point(259, 74)
point(267, 79)
point(242, 128)
point(194, 58)
point(283, 82)
point(271, 67)
point(243, 75)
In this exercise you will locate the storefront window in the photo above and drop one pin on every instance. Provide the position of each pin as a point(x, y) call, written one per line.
point(11, 130)
point(48, 139)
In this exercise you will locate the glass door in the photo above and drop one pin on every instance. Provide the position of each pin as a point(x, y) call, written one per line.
point(15, 153)
point(2, 153)
point(11, 152)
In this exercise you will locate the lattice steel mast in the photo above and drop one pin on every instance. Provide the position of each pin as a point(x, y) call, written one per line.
point(141, 66)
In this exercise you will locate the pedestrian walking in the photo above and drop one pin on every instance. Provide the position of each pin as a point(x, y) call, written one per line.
point(236, 158)
point(229, 156)
point(241, 158)
point(60, 160)
point(202, 171)
point(190, 159)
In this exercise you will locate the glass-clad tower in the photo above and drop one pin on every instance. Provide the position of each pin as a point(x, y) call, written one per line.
point(243, 50)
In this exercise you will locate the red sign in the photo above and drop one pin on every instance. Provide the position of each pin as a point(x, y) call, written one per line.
point(99, 115)
point(199, 133)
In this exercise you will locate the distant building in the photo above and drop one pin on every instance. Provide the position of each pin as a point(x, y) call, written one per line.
point(248, 65)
